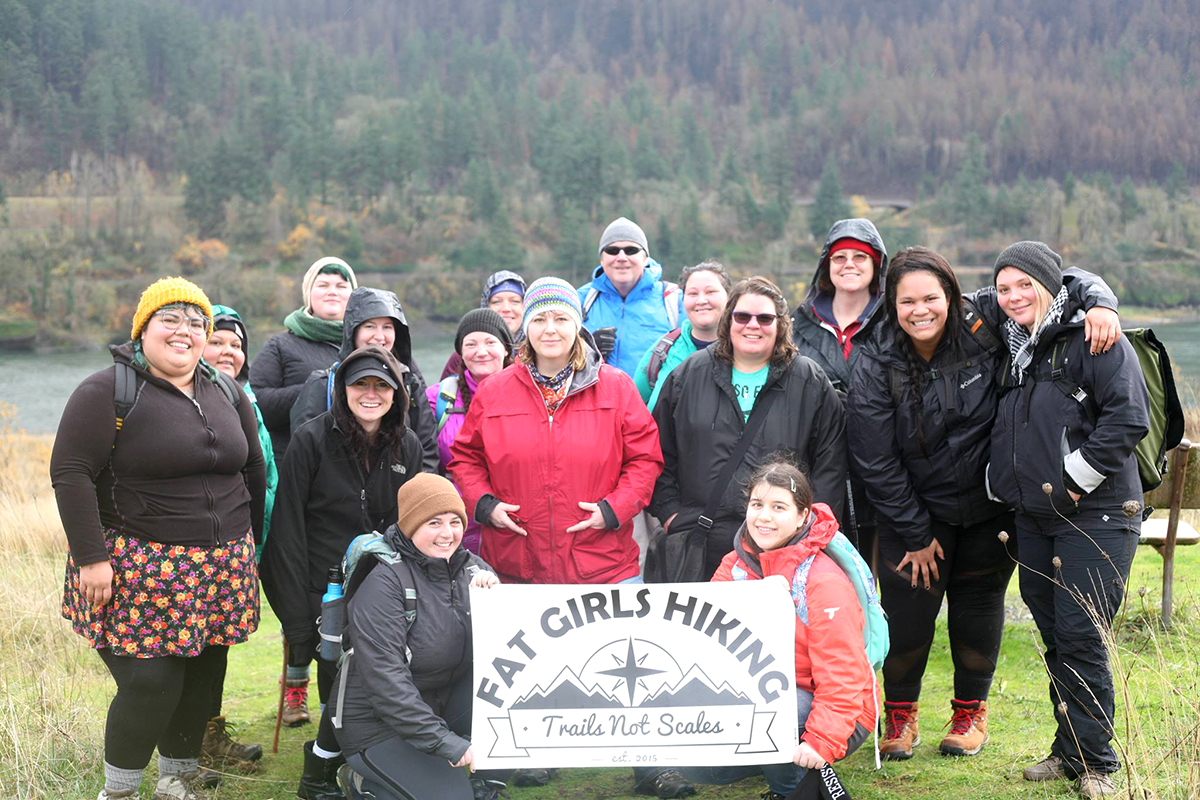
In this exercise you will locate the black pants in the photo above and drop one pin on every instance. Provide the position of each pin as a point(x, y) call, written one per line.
point(163, 702)
point(973, 578)
point(1071, 603)
point(395, 770)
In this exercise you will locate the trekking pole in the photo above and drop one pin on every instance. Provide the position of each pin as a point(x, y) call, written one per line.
point(282, 689)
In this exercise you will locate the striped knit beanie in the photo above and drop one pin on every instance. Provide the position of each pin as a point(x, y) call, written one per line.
point(551, 294)
point(165, 292)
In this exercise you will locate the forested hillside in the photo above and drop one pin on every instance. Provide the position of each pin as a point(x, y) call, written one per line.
point(469, 132)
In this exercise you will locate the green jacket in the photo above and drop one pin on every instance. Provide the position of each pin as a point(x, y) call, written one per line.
point(264, 436)
point(679, 351)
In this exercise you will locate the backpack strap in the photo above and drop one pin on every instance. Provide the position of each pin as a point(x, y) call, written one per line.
point(329, 385)
point(124, 394)
point(229, 388)
point(590, 300)
point(447, 394)
point(978, 327)
point(671, 301)
point(658, 355)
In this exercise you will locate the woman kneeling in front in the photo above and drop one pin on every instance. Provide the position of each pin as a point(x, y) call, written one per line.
point(405, 715)
point(785, 534)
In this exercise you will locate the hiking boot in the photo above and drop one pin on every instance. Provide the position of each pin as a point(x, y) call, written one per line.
point(488, 790)
point(530, 777)
point(209, 778)
point(968, 728)
point(351, 782)
point(901, 734)
point(180, 787)
point(1050, 768)
point(295, 703)
point(1096, 784)
point(106, 794)
point(219, 748)
point(668, 783)
point(319, 781)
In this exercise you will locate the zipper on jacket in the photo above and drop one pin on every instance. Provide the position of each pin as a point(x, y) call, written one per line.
point(208, 495)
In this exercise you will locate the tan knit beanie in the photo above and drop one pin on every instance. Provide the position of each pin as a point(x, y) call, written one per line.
point(310, 277)
point(422, 498)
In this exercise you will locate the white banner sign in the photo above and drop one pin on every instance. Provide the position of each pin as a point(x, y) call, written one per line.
point(665, 674)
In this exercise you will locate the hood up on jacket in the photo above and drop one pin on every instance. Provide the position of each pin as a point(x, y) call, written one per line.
point(366, 303)
point(818, 531)
point(864, 231)
point(225, 313)
point(497, 278)
point(399, 400)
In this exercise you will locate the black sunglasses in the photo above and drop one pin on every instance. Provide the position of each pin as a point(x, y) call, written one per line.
point(631, 250)
point(744, 317)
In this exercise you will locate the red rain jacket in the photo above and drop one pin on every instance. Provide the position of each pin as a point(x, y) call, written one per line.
point(831, 661)
point(602, 444)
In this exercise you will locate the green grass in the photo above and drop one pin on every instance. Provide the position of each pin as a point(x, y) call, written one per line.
point(53, 697)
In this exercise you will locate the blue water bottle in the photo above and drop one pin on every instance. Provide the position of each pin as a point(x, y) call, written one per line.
point(333, 617)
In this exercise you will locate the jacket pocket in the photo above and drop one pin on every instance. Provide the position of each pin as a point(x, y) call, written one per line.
point(597, 553)
point(506, 552)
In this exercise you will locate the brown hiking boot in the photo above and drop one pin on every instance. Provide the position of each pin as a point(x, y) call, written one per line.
point(295, 703)
point(901, 734)
point(1096, 784)
point(968, 728)
point(220, 750)
point(1050, 768)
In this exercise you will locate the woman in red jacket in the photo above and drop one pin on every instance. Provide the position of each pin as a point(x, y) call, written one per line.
point(785, 534)
point(557, 454)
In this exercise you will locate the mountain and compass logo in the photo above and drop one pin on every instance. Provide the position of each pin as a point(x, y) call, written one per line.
point(685, 685)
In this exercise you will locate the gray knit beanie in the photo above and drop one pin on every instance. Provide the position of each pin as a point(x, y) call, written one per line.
point(486, 321)
point(1036, 260)
point(624, 230)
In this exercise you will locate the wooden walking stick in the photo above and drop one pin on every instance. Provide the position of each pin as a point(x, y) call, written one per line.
point(282, 690)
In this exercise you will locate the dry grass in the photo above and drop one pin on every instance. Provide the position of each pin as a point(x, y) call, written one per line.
point(29, 520)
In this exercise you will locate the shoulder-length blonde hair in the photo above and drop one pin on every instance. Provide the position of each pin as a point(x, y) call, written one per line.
point(526, 354)
point(785, 349)
point(1042, 306)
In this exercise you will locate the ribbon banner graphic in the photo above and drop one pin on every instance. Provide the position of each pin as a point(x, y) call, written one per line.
point(667, 674)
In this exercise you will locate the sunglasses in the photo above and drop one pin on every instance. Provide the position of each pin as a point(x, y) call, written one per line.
point(764, 320)
point(630, 250)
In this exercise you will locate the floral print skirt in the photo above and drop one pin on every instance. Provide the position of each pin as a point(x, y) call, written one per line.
point(168, 600)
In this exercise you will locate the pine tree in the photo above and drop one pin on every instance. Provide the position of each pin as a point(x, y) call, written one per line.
point(481, 190)
point(1068, 187)
point(828, 204)
point(1176, 185)
point(969, 198)
point(1130, 208)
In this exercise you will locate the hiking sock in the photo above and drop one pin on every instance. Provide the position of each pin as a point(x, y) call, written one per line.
point(121, 780)
point(297, 673)
point(176, 766)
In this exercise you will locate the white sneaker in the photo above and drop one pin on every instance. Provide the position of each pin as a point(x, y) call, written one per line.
point(180, 787)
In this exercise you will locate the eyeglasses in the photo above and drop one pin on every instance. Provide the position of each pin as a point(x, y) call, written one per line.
point(841, 257)
point(629, 250)
point(174, 320)
point(744, 317)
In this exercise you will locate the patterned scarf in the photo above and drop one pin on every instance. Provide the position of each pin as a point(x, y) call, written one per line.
point(1021, 345)
point(553, 389)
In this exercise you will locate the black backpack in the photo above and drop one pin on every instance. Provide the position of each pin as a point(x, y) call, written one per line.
point(125, 391)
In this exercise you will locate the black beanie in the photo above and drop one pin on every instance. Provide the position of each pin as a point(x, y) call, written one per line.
point(483, 320)
point(1036, 260)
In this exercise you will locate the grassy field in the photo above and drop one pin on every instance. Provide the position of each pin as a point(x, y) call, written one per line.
point(54, 693)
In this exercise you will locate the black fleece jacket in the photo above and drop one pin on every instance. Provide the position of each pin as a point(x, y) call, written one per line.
point(181, 471)
point(325, 498)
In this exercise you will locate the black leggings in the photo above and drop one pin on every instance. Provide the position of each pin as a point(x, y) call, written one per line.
point(163, 702)
point(973, 577)
point(395, 770)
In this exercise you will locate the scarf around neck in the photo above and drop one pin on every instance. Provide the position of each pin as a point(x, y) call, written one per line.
point(1021, 345)
point(553, 389)
point(302, 323)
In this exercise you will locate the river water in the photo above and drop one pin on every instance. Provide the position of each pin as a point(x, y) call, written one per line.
point(38, 385)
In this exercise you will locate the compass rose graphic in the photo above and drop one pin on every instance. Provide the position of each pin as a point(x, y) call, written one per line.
point(631, 671)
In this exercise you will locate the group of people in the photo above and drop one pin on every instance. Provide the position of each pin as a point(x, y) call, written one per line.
point(573, 430)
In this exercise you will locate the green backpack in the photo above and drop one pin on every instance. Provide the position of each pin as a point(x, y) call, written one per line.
point(875, 624)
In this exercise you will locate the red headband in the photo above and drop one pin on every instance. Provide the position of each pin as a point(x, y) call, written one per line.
point(855, 244)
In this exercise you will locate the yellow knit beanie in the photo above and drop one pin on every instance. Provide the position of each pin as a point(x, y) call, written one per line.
point(164, 292)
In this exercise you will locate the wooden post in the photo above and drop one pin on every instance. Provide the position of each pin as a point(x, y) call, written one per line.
point(1179, 465)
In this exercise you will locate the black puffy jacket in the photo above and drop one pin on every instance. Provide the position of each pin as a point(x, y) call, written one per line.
point(386, 695)
point(325, 498)
point(1043, 436)
point(279, 372)
point(314, 398)
point(700, 423)
point(926, 461)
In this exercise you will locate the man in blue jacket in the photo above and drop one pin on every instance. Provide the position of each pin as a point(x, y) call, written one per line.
point(627, 305)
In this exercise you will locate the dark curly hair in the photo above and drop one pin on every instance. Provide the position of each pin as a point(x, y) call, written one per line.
point(785, 349)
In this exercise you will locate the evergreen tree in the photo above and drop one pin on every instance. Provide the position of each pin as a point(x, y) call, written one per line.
point(574, 248)
point(969, 198)
point(207, 190)
point(647, 163)
point(828, 204)
point(663, 240)
point(1130, 208)
point(482, 191)
point(689, 242)
point(1068, 187)
point(1176, 185)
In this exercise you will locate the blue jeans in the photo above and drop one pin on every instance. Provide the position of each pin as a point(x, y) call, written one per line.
point(782, 778)
point(634, 579)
